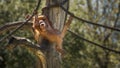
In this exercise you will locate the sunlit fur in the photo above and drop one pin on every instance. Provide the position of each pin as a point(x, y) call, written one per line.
point(42, 27)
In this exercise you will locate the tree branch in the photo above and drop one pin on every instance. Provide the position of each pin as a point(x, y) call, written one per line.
point(23, 41)
point(13, 25)
point(37, 49)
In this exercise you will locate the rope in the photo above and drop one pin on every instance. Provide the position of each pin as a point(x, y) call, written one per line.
point(89, 22)
point(83, 20)
point(96, 44)
point(34, 12)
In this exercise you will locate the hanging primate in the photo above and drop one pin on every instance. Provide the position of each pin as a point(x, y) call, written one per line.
point(42, 28)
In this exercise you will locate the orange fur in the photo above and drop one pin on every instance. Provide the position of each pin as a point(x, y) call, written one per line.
point(42, 27)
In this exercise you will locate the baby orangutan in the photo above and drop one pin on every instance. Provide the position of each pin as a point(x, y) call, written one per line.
point(42, 27)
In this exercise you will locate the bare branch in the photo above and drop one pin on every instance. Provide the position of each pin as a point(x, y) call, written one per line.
point(23, 41)
point(13, 25)
point(37, 49)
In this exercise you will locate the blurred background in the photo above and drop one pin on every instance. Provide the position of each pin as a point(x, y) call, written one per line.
point(80, 54)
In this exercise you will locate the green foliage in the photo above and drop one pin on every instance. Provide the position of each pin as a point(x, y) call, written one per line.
point(82, 54)
point(79, 54)
point(16, 10)
point(19, 57)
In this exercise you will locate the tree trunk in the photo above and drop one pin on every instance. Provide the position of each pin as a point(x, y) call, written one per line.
point(57, 16)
